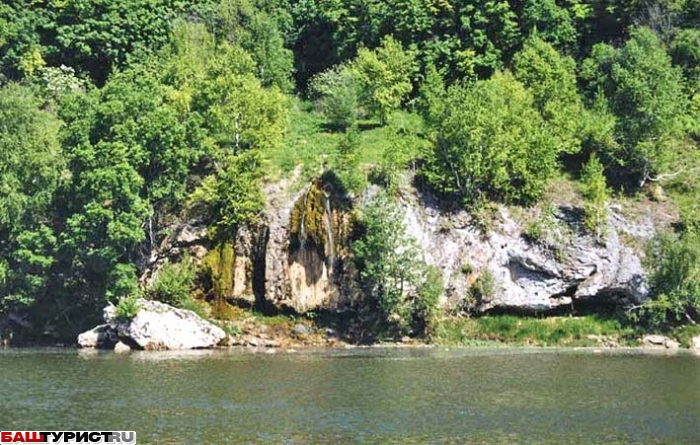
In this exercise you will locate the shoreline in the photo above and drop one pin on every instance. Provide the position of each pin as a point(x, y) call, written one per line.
point(296, 347)
point(254, 331)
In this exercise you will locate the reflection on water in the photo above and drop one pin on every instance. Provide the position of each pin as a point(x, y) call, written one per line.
point(363, 395)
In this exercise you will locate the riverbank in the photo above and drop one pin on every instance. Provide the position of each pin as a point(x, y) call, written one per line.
point(256, 330)
point(248, 328)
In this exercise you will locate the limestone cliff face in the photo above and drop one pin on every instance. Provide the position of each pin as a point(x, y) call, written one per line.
point(298, 257)
point(307, 249)
point(530, 275)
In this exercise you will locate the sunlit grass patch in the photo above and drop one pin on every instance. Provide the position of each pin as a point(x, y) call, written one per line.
point(549, 331)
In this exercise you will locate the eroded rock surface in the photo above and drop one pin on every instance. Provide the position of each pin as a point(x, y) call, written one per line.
point(157, 326)
point(298, 256)
point(526, 275)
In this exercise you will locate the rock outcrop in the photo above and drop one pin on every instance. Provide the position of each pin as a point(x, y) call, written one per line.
point(157, 326)
point(695, 343)
point(562, 268)
point(100, 337)
point(298, 257)
point(302, 248)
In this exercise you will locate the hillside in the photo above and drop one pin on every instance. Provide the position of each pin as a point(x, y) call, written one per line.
point(387, 169)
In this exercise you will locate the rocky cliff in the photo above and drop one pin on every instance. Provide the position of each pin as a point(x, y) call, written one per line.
point(298, 257)
point(561, 267)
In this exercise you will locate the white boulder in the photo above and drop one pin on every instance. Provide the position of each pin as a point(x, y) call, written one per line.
point(158, 326)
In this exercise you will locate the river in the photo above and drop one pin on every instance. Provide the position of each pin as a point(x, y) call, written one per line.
point(364, 395)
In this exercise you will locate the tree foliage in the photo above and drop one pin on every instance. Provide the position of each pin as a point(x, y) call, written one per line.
point(385, 76)
point(596, 194)
point(31, 169)
point(645, 93)
point(492, 142)
point(399, 283)
point(336, 92)
point(551, 78)
point(674, 263)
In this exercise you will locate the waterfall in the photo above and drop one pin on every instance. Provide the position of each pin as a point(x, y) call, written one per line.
point(302, 227)
point(329, 231)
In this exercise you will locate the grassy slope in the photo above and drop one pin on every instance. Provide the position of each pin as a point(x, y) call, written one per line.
point(311, 144)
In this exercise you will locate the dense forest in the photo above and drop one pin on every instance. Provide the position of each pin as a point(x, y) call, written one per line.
point(118, 118)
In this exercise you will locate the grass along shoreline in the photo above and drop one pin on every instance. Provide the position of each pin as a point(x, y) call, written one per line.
point(253, 329)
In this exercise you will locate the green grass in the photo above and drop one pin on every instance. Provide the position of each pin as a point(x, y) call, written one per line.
point(550, 331)
point(310, 143)
point(684, 334)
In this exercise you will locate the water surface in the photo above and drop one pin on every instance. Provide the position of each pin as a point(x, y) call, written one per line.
point(373, 395)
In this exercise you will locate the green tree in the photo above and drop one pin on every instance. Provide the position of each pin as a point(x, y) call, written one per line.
point(347, 162)
point(21, 49)
point(432, 95)
point(645, 93)
point(685, 51)
point(596, 194)
point(426, 306)
point(552, 22)
point(551, 78)
point(31, 168)
point(237, 198)
point(336, 92)
point(387, 259)
point(100, 35)
point(674, 264)
point(492, 142)
point(386, 76)
point(257, 26)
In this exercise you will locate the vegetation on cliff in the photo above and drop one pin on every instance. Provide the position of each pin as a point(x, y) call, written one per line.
point(118, 118)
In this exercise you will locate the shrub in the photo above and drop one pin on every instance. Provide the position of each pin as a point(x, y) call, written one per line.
point(674, 263)
point(336, 92)
point(595, 191)
point(426, 306)
point(174, 283)
point(127, 308)
point(483, 288)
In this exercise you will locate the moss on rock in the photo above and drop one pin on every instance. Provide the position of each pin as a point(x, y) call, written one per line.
point(217, 272)
point(308, 226)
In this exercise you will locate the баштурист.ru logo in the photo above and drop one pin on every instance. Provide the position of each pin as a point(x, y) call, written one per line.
point(68, 437)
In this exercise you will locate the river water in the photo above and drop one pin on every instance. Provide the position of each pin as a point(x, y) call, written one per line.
point(364, 395)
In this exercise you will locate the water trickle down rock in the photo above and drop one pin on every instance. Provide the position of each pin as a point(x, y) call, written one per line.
point(302, 223)
point(310, 253)
point(328, 220)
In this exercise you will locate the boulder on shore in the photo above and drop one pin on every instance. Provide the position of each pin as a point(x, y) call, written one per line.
point(100, 337)
point(655, 340)
point(695, 343)
point(156, 327)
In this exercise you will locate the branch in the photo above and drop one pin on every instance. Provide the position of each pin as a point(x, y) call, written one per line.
point(633, 308)
point(667, 176)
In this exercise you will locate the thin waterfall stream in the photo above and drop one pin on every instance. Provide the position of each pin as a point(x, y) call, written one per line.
point(302, 224)
point(329, 231)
